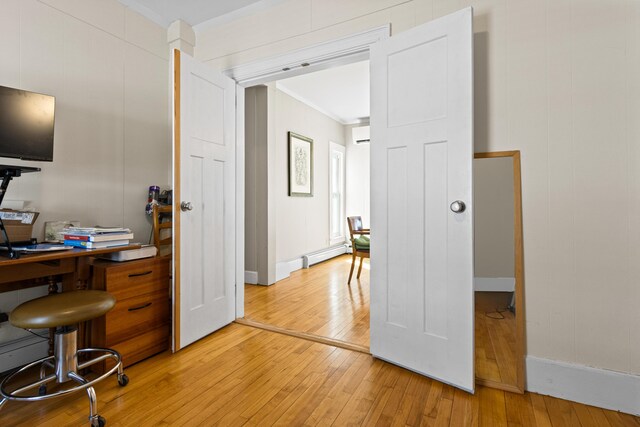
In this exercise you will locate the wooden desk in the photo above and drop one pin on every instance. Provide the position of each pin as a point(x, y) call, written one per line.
point(71, 267)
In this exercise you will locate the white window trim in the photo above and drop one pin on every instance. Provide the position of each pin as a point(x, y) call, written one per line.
point(337, 239)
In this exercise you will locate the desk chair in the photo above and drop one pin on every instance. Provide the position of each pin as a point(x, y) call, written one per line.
point(63, 311)
point(160, 215)
point(359, 247)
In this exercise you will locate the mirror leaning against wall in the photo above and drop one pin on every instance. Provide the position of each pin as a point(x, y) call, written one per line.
point(499, 278)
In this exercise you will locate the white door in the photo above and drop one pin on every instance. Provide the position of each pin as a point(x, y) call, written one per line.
point(421, 163)
point(204, 192)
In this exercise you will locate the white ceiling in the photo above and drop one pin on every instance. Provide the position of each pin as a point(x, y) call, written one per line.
point(341, 93)
point(194, 12)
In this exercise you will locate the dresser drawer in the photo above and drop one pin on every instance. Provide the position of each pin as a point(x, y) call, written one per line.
point(135, 316)
point(133, 278)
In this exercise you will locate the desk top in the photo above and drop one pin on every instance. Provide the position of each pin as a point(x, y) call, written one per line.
point(57, 255)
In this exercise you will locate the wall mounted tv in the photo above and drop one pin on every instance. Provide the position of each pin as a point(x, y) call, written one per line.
point(26, 124)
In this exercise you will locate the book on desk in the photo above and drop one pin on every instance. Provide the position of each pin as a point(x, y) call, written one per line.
point(97, 237)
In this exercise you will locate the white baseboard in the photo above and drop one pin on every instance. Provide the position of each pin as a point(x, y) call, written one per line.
point(494, 284)
point(592, 386)
point(285, 268)
point(251, 277)
point(22, 351)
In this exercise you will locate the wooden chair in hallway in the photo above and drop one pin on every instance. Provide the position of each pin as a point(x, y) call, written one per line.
point(359, 247)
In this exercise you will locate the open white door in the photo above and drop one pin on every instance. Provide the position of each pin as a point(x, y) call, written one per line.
point(204, 200)
point(421, 163)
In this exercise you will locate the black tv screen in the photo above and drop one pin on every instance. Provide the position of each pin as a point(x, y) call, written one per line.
point(26, 124)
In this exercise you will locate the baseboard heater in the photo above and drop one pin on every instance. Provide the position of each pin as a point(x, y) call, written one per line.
point(315, 257)
point(23, 350)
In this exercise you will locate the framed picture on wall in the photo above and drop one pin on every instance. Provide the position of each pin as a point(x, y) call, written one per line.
point(300, 165)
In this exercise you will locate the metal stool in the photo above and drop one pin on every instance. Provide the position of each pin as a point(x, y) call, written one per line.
point(63, 311)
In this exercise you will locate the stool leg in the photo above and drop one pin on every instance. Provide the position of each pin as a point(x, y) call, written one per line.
point(2, 402)
point(52, 289)
point(95, 419)
point(43, 373)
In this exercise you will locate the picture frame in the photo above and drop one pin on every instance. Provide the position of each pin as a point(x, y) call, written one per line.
point(300, 165)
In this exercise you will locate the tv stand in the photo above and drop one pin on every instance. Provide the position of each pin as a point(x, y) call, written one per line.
point(7, 173)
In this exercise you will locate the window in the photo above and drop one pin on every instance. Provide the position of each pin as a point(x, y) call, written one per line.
point(337, 219)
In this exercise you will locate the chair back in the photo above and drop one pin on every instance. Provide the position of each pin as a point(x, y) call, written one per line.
point(162, 232)
point(355, 225)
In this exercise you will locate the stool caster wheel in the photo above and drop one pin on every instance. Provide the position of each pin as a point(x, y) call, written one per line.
point(123, 380)
point(98, 421)
point(42, 390)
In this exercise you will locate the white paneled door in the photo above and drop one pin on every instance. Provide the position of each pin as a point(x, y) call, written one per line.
point(204, 189)
point(421, 199)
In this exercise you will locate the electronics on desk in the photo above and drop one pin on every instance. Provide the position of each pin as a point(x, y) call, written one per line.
point(146, 251)
point(26, 133)
point(26, 124)
point(18, 224)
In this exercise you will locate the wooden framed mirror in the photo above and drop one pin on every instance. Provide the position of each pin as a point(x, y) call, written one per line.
point(499, 271)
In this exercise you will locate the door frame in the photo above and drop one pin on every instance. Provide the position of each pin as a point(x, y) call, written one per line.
point(342, 51)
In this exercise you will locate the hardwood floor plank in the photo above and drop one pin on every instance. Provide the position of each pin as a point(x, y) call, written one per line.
point(519, 410)
point(493, 411)
point(332, 404)
point(461, 412)
point(391, 409)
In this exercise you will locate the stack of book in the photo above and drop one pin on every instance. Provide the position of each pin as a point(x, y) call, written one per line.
point(96, 237)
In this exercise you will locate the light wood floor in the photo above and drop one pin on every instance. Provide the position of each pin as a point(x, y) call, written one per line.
point(317, 301)
point(246, 376)
point(495, 338)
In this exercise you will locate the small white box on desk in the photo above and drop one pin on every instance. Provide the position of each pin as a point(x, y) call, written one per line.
point(146, 251)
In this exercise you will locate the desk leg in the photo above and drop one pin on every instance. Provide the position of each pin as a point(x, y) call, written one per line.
point(52, 282)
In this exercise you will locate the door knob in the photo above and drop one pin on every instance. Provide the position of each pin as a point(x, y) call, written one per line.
point(458, 206)
point(186, 206)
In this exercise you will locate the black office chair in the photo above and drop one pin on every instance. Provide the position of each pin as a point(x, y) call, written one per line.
point(63, 311)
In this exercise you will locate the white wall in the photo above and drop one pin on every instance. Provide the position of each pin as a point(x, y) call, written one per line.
point(302, 223)
point(558, 81)
point(108, 69)
point(259, 186)
point(358, 179)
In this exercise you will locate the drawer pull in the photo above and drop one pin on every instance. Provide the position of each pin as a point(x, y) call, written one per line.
point(140, 307)
point(140, 274)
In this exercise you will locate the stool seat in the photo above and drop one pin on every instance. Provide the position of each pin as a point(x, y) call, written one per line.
point(64, 309)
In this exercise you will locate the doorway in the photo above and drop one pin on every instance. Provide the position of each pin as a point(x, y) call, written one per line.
point(296, 243)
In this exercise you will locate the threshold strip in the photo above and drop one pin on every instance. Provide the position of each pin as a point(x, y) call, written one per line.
point(303, 335)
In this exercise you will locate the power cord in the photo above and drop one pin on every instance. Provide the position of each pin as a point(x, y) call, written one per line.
point(39, 336)
point(497, 314)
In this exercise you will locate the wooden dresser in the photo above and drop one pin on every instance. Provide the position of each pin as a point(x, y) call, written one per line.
point(139, 326)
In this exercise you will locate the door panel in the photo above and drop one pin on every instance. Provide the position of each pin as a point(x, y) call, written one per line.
point(205, 265)
point(422, 152)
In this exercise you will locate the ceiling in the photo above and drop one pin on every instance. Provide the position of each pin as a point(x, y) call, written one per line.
point(341, 93)
point(194, 12)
